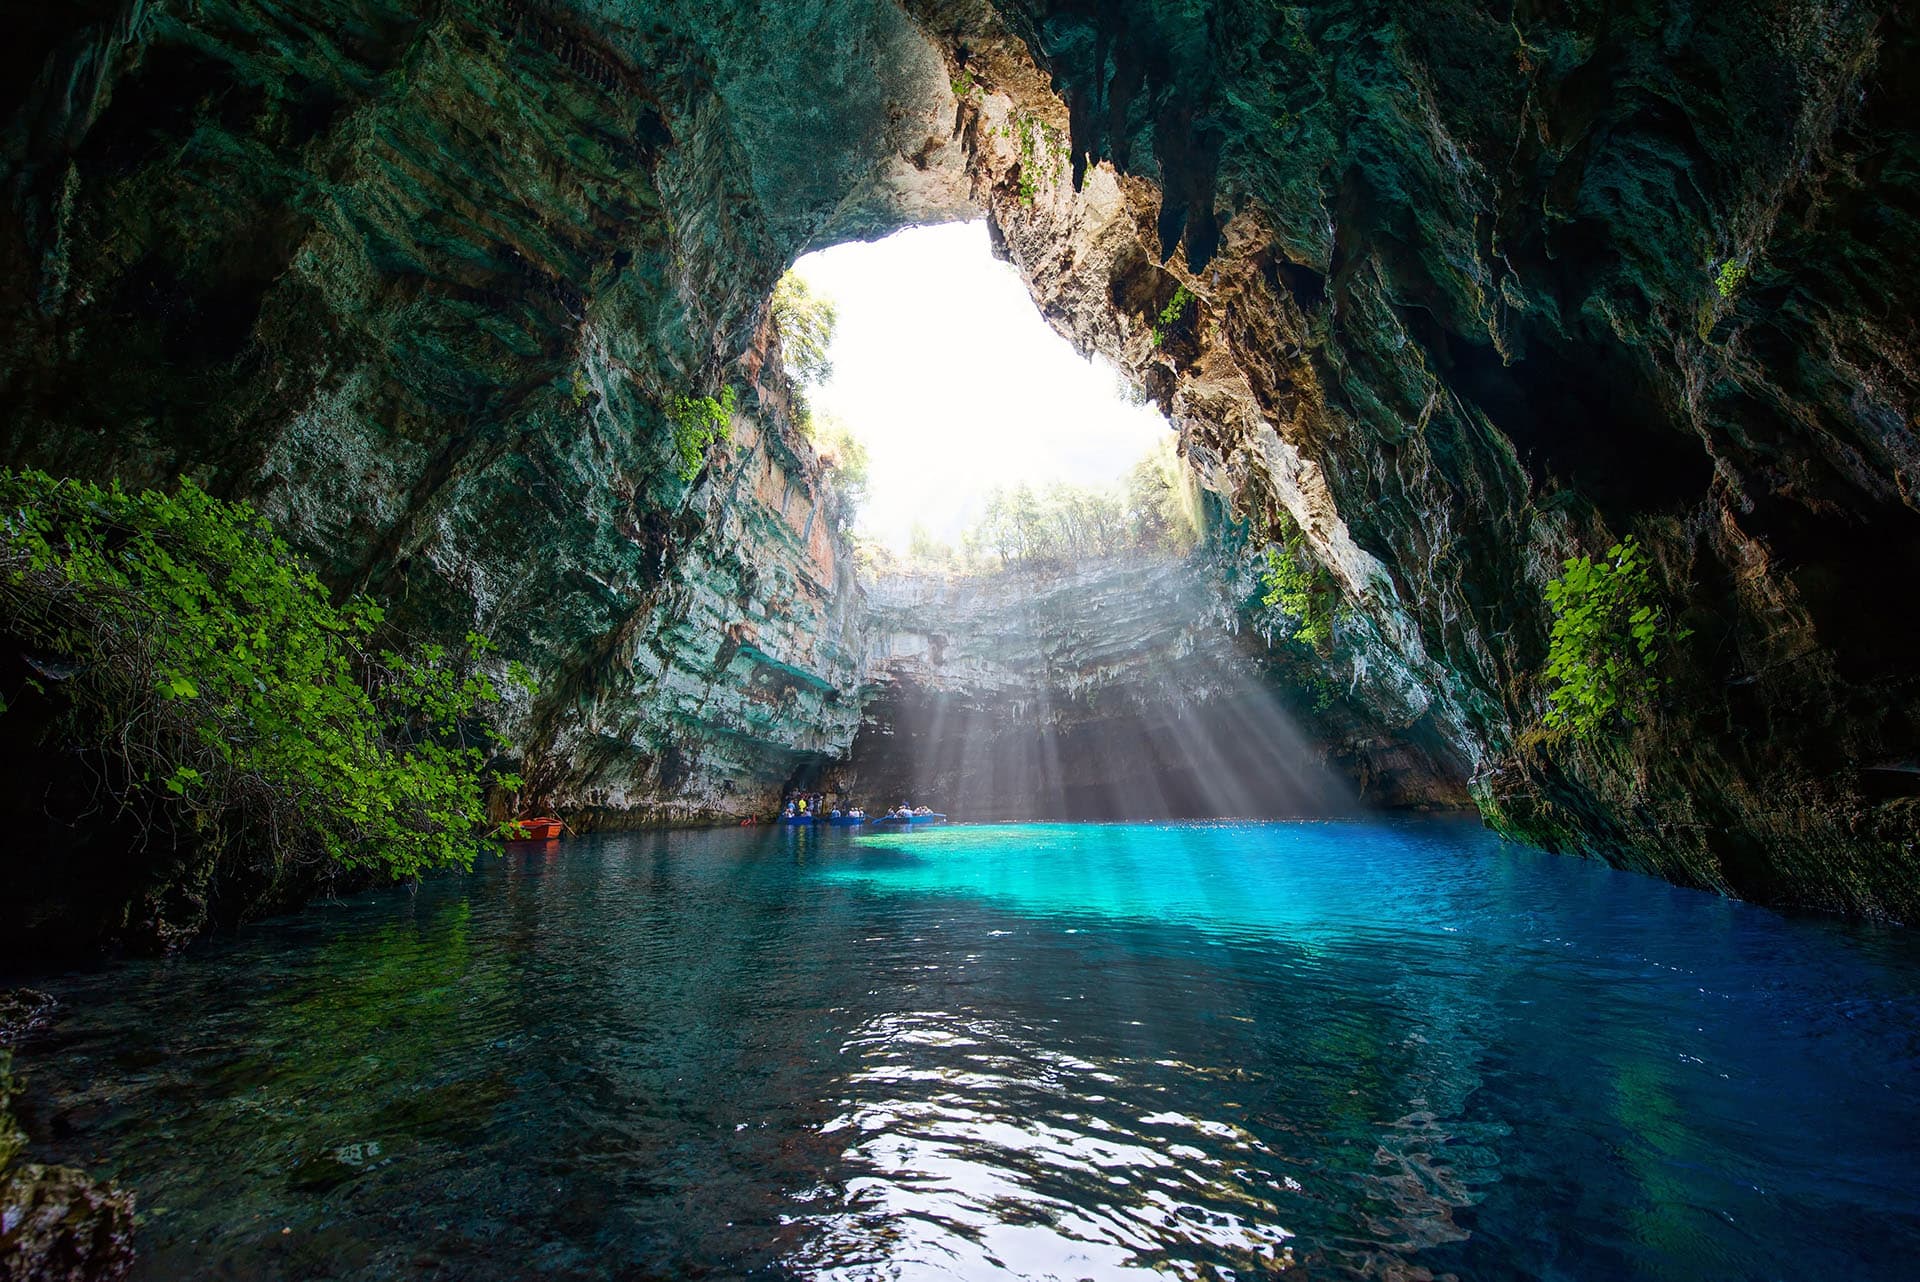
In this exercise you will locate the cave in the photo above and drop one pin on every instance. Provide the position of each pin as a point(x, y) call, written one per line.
point(1454, 312)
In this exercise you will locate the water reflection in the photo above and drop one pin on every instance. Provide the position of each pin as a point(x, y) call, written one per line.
point(1359, 1050)
point(973, 1149)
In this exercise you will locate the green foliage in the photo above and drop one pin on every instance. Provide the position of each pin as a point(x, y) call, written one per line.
point(219, 685)
point(1731, 276)
point(844, 452)
point(1609, 638)
point(1155, 510)
point(699, 421)
point(580, 389)
point(1056, 527)
point(963, 83)
point(806, 321)
point(1299, 588)
point(925, 550)
point(1162, 498)
point(1170, 314)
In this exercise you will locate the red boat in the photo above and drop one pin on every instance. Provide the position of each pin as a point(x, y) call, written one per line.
point(545, 828)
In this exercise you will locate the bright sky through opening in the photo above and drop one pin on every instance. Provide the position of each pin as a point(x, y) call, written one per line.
point(943, 368)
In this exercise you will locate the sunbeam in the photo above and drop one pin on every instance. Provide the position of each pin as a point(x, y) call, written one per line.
point(1035, 696)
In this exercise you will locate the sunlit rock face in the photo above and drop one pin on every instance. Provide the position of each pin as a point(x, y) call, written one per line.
point(419, 281)
point(1462, 308)
point(1124, 690)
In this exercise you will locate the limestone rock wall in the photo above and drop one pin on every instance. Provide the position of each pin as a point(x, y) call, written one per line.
point(1476, 287)
point(1136, 688)
point(419, 280)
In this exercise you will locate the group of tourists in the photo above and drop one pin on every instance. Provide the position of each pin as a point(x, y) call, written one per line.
point(803, 805)
point(813, 805)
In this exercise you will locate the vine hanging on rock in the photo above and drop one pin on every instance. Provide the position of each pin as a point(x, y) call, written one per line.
point(1610, 638)
point(699, 421)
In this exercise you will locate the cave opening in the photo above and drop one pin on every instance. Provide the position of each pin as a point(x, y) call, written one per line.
point(940, 374)
point(1052, 633)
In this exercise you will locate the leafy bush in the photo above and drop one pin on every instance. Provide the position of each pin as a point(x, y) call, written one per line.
point(1609, 638)
point(1297, 587)
point(806, 322)
point(207, 671)
point(1043, 149)
point(1154, 509)
point(699, 421)
point(924, 551)
point(1732, 275)
point(1162, 498)
point(844, 452)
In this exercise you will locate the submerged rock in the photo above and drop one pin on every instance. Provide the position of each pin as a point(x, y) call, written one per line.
point(57, 1224)
point(22, 1010)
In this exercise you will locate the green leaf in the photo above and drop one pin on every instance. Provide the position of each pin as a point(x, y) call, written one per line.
point(1605, 640)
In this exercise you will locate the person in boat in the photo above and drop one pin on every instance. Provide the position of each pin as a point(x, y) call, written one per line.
point(921, 810)
point(788, 812)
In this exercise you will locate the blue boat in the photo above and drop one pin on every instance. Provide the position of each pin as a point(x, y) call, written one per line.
point(847, 821)
point(895, 821)
point(797, 819)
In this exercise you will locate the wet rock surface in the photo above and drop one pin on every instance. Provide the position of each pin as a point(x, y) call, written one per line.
point(59, 1225)
point(23, 1010)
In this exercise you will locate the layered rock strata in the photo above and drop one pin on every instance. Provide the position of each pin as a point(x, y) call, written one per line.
point(421, 281)
point(1123, 690)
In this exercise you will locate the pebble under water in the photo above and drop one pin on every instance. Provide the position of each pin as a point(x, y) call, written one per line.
point(1359, 1049)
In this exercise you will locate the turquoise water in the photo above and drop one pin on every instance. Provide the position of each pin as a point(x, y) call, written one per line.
point(1349, 1049)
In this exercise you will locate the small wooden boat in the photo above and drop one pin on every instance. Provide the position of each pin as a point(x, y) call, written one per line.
point(798, 819)
point(908, 821)
point(847, 821)
point(544, 828)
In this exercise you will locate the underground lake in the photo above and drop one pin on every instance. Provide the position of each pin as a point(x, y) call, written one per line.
point(1355, 1048)
point(891, 640)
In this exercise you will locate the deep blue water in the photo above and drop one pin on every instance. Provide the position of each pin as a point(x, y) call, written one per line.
point(1357, 1049)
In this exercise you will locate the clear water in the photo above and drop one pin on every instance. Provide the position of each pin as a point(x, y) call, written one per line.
point(1384, 1050)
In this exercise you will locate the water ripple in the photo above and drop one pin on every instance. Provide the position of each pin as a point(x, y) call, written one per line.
point(1333, 1050)
point(974, 1147)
